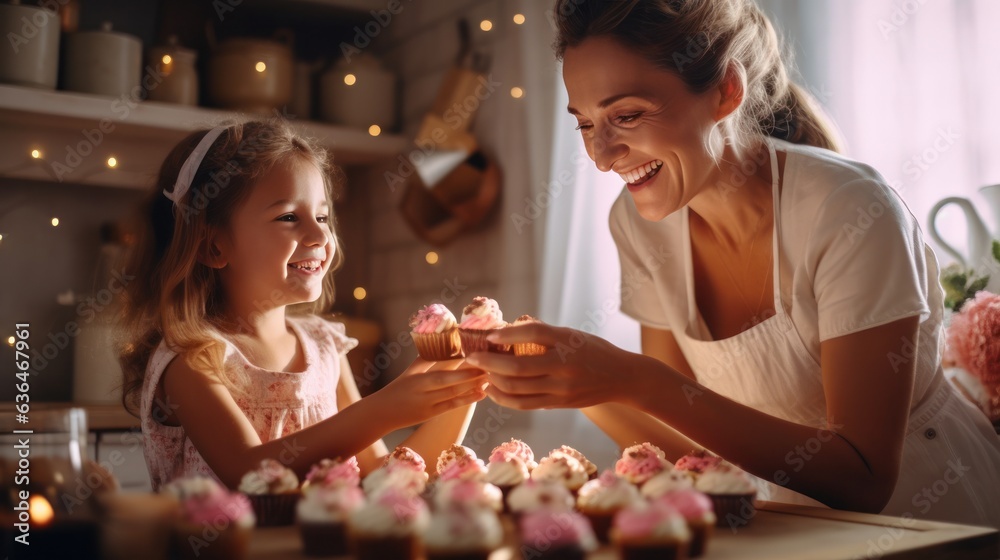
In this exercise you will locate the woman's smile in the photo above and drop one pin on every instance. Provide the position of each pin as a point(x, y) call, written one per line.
point(639, 177)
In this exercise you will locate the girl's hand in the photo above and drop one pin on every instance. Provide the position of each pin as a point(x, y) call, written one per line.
point(427, 389)
point(578, 370)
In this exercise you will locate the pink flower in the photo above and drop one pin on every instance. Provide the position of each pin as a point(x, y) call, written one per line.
point(974, 342)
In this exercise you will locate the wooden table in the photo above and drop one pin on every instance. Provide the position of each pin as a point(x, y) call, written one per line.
point(777, 532)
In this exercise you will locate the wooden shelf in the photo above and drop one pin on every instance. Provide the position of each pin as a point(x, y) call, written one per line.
point(66, 128)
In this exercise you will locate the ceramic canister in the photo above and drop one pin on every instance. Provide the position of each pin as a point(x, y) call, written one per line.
point(103, 62)
point(359, 93)
point(30, 56)
point(179, 78)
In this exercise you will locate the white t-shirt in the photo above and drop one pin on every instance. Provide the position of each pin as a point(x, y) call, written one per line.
point(852, 257)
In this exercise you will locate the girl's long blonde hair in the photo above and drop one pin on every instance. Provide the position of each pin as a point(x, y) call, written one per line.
point(176, 298)
point(701, 41)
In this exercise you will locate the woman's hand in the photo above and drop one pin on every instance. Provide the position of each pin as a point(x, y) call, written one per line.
point(578, 370)
point(427, 389)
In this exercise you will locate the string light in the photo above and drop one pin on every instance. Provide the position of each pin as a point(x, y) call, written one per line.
point(486, 25)
point(519, 18)
point(516, 92)
point(55, 222)
point(36, 154)
point(10, 340)
point(360, 293)
point(261, 67)
point(166, 59)
point(112, 162)
point(431, 257)
point(374, 130)
point(350, 79)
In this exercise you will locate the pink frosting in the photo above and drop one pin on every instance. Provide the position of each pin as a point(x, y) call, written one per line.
point(208, 509)
point(428, 319)
point(689, 503)
point(482, 314)
point(697, 461)
point(640, 462)
point(543, 528)
point(464, 468)
point(405, 457)
point(335, 473)
point(513, 447)
point(641, 520)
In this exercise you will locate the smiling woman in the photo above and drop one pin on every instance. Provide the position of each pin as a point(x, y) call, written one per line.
point(733, 192)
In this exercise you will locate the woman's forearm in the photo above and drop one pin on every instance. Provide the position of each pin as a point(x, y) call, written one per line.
point(815, 462)
point(440, 432)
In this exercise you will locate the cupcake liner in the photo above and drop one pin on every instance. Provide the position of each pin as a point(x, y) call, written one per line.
point(204, 542)
point(701, 533)
point(372, 547)
point(529, 349)
point(733, 507)
point(324, 539)
point(474, 340)
point(436, 347)
point(601, 523)
point(274, 510)
point(651, 551)
point(458, 555)
point(561, 553)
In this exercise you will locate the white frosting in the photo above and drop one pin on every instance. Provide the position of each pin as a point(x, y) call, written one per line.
point(270, 478)
point(507, 473)
point(403, 478)
point(598, 495)
point(483, 495)
point(464, 529)
point(724, 481)
point(190, 486)
point(534, 494)
point(450, 455)
point(561, 468)
point(329, 505)
point(672, 527)
point(375, 518)
point(591, 468)
point(666, 481)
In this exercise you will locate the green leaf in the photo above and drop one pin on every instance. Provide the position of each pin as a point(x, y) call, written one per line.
point(996, 250)
point(978, 285)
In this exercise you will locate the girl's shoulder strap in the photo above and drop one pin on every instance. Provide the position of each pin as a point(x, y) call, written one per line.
point(326, 332)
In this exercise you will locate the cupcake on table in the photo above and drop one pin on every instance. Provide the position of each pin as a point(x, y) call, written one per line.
point(534, 494)
point(518, 449)
point(273, 490)
point(697, 462)
point(462, 531)
point(562, 469)
point(698, 512)
point(467, 493)
point(435, 333)
point(647, 530)
point(389, 526)
point(460, 462)
point(215, 524)
point(588, 466)
point(549, 534)
point(479, 319)
point(600, 499)
point(666, 481)
point(403, 469)
point(322, 516)
point(732, 492)
point(332, 473)
point(510, 464)
point(641, 462)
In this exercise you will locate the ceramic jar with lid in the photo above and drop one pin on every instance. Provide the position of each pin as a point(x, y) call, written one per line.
point(103, 62)
point(177, 80)
point(252, 75)
point(31, 55)
point(359, 93)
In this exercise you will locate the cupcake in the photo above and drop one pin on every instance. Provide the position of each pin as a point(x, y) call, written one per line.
point(463, 468)
point(527, 348)
point(698, 513)
point(732, 493)
point(697, 461)
point(188, 487)
point(600, 499)
point(561, 468)
point(405, 457)
point(516, 448)
point(462, 532)
point(390, 526)
point(534, 494)
point(591, 468)
point(435, 333)
point(666, 481)
point(322, 517)
point(506, 472)
point(556, 535)
point(479, 319)
point(646, 530)
point(468, 493)
point(641, 462)
point(395, 477)
point(273, 490)
point(332, 473)
point(215, 523)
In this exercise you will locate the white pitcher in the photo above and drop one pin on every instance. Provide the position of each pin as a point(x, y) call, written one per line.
point(980, 241)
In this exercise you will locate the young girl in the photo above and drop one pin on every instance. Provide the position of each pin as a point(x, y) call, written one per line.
point(238, 228)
